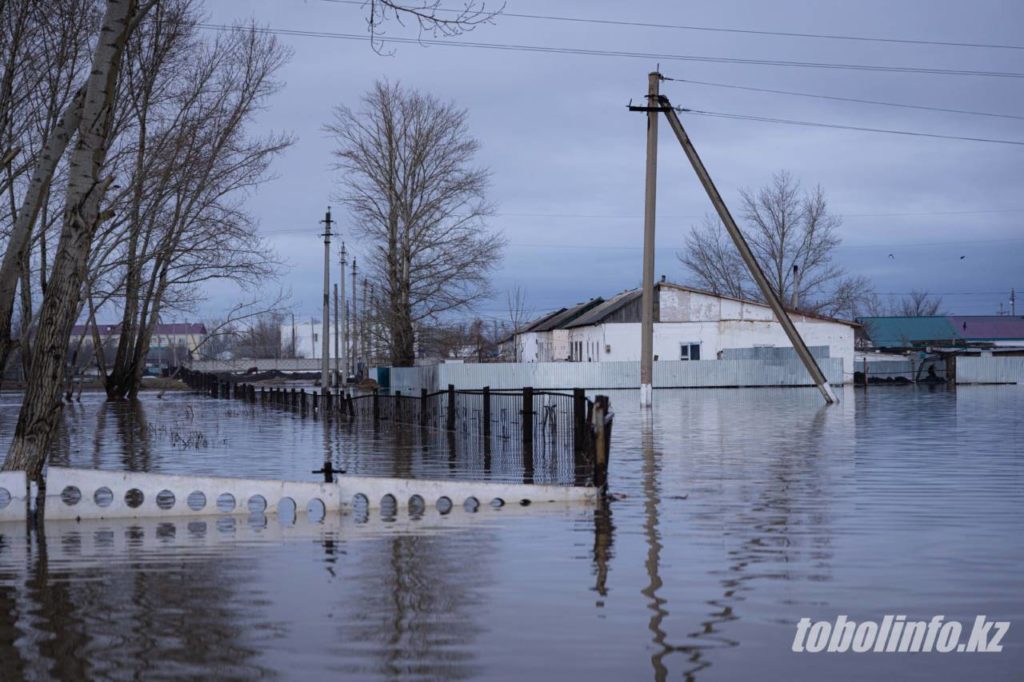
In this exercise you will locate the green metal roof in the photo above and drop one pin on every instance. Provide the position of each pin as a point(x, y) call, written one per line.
point(892, 332)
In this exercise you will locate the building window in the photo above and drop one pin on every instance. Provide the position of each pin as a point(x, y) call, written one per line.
point(689, 351)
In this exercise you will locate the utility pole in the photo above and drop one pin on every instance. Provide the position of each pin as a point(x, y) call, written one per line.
point(355, 321)
point(294, 349)
point(650, 195)
point(756, 272)
point(337, 338)
point(365, 336)
point(343, 355)
point(1013, 302)
point(325, 372)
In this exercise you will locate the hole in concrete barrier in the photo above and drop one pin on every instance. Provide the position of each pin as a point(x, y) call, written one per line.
point(388, 507)
point(257, 504)
point(70, 496)
point(197, 529)
point(497, 503)
point(165, 499)
point(417, 506)
point(444, 505)
point(226, 503)
point(134, 498)
point(5, 497)
point(316, 510)
point(286, 510)
point(524, 503)
point(471, 504)
point(196, 500)
point(361, 508)
point(165, 532)
point(103, 497)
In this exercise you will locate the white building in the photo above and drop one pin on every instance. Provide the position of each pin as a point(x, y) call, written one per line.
point(689, 324)
point(305, 338)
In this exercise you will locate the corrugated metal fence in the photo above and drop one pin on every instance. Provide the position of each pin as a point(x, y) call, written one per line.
point(611, 375)
point(989, 370)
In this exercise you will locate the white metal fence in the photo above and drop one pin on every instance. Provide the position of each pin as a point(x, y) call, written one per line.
point(611, 375)
point(989, 370)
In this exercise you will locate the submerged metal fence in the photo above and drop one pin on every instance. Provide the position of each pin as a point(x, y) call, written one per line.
point(535, 436)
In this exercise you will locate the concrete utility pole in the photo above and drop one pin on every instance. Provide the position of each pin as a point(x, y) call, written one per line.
point(343, 355)
point(650, 192)
point(1013, 302)
point(355, 320)
point(748, 256)
point(325, 371)
point(365, 336)
point(337, 338)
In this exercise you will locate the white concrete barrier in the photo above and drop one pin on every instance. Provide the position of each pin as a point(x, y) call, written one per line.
point(12, 496)
point(92, 494)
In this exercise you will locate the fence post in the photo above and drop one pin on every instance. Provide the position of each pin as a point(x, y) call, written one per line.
point(398, 406)
point(602, 438)
point(376, 405)
point(295, 397)
point(302, 401)
point(527, 413)
point(450, 417)
point(263, 396)
point(349, 400)
point(423, 407)
point(487, 413)
point(579, 418)
point(316, 402)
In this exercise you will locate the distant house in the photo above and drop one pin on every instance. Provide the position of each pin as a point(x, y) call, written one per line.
point(689, 324)
point(944, 331)
point(169, 344)
point(546, 339)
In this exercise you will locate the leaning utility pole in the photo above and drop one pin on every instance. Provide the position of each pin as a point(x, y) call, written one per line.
point(664, 106)
point(343, 355)
point(325, 372)
point(650, 192)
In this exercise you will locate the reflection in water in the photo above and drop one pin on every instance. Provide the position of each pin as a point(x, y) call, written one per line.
point(79, 616)
point(741, 511)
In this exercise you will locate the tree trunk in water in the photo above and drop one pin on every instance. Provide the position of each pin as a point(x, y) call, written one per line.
point(40, 409)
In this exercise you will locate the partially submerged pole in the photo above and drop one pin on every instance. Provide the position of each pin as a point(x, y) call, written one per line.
point(325, 370)
point(748, 256)
point(647, 298)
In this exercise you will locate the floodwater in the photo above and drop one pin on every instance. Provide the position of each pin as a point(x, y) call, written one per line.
point(739, 513)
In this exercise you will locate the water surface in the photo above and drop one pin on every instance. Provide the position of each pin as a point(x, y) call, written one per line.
point(740, 512)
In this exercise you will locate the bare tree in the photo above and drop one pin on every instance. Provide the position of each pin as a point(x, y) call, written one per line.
point(419, 202)
point(85, 190)
point(918, 304)
point(430, 18)
point(191, 160)
point(519, 311)
point(793, 236)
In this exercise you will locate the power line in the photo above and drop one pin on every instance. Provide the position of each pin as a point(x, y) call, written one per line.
point(719, 29)
point(846, 99)
point(649, 56)
point(863, 129)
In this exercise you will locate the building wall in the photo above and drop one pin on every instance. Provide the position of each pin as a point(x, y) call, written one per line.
point(621, 341)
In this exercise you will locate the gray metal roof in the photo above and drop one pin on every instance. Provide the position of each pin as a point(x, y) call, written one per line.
point(567, 315)
point(596, 314)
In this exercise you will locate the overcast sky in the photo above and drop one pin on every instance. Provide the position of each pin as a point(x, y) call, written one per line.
point(567, 158)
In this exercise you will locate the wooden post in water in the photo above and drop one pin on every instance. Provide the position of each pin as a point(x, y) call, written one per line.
point(579, 418)
point(316, 404)
point(302, 401)
point(423, 407)
point(602, 438)
point(398, 406)
point(450, 417)
point(376, 405)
